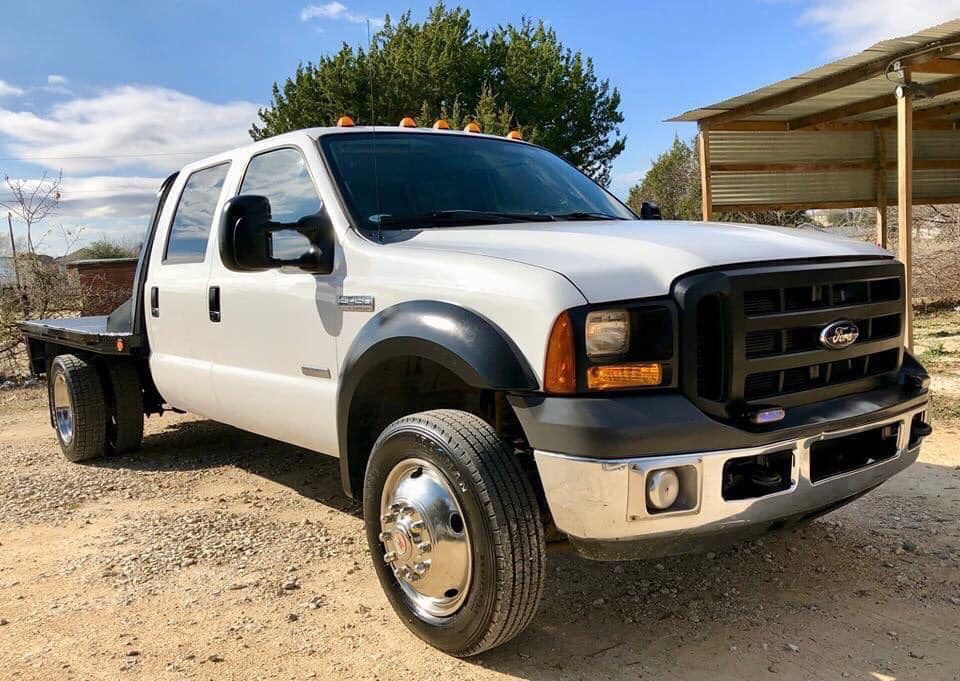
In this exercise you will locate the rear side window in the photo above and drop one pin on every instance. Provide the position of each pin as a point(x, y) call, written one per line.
point(194, 216)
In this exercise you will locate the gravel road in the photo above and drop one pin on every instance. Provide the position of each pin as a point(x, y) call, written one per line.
point(218, 554)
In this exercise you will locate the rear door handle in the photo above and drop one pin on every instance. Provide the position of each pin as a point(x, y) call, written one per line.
point(154, 301)
point(213, 299)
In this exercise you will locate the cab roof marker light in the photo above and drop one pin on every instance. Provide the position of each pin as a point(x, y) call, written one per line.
point(441, 124)
point(407, 122)
point(514, 135)
point(345, 122)
point(472, 126)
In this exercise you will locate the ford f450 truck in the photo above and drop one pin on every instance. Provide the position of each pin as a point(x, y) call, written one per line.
point(502, 355)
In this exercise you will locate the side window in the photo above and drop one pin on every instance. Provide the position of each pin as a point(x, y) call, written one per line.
point(194, 215)
point(283, 178)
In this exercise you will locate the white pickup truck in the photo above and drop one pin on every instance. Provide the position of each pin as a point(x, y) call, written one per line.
point(502, 355)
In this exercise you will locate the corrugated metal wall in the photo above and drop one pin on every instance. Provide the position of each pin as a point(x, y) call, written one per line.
point(815, 188)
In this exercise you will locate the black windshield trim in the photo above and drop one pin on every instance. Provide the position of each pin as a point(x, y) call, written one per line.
point(369, 232)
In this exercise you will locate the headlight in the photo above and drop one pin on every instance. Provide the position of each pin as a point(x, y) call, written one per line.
point(607, 333)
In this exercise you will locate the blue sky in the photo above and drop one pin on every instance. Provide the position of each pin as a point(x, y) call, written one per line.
point(119, 94)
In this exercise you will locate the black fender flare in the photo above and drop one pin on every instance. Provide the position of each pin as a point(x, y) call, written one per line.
point(466, 343)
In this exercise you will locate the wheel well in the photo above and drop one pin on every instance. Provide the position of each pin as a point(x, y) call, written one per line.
point(407, 385)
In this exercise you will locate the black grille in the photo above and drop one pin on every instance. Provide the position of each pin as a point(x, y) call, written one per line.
point(710, 348)
point(756, 332)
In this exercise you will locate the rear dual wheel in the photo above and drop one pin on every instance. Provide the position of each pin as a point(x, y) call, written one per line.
point(95, 413)
point(454, 530)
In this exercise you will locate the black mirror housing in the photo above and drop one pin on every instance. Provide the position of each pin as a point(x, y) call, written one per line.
point(246, 233)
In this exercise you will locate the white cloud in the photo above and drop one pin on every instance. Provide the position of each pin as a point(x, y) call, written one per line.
point(621, 183)
point(8, 90)
point(337, 11)
point(125, 127)
point(54, 79)
point(853, 25)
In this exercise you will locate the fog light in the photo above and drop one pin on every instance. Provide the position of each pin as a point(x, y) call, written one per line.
point(663, 488)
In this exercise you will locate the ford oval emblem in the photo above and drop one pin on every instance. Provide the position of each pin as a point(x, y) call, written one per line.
point(839, 335)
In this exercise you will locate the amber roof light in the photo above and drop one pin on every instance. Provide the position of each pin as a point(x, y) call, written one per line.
point(407, 122)
point(344, 122)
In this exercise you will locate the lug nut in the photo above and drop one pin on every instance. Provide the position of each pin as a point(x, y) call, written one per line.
point(421, 568)
point(424, 547)
point(408, 509)
point(389, 556)
point(417, 526)
point(387, 518)
point(396, 507)
point(384, 536)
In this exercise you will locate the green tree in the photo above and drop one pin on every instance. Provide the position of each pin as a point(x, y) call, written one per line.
point(673, 183)
point(104, 249)
point(512, 77)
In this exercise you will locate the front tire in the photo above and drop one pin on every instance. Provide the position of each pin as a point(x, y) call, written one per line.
point(454, 529)
point(78, 408)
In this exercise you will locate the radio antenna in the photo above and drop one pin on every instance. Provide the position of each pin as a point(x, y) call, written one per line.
point(373, 120)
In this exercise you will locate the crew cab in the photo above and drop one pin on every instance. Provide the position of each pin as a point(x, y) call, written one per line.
point(502, 355)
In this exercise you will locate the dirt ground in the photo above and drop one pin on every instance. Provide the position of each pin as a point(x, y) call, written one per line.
point(218, 554)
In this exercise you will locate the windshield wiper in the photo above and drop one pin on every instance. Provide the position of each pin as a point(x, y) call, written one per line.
point(452, 218)
point(585, 215)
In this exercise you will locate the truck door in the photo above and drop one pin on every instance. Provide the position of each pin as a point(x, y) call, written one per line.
point(175, 294)
point(275, 362)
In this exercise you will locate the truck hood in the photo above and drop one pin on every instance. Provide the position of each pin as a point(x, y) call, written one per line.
point(614, 260)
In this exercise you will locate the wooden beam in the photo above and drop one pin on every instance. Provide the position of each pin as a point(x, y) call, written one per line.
point(815, 205)
point(799, 167)
point(832, 126)
point(949, 67)
point(866, 105)
point(905, 201)
point(831, 166)
point(855, 74)
point(927, 113)
point(880, 183)
point(706, 186)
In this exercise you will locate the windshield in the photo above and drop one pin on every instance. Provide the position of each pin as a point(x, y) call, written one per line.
point(444, 180)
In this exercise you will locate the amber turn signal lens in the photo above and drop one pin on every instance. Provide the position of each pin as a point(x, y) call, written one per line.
point(614, 376)
point(560, 373)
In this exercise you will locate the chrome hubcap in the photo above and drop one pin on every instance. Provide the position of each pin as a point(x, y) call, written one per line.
point(425, 538)
point(62, 409)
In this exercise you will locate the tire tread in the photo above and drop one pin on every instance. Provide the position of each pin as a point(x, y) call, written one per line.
point(89, 408)
point(506, 495)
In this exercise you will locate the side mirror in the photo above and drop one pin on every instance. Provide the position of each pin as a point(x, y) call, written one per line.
point(251, 241)
point(649, 211)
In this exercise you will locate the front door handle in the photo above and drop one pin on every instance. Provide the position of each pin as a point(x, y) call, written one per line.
point(213, 299)
point(154, 301)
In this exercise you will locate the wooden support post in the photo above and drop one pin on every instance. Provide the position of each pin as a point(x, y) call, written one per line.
point(706, 188)
point(905, 201)
point(880, 177)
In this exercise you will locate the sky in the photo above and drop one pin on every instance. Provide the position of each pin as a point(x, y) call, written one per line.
point(117, 95)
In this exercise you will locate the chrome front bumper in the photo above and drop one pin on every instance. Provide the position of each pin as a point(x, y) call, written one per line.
point(603, 502)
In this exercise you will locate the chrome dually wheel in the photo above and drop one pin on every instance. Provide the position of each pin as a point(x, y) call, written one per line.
point(78, 407)
point(454, 530)
point(426, 541)
point(62, 409)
